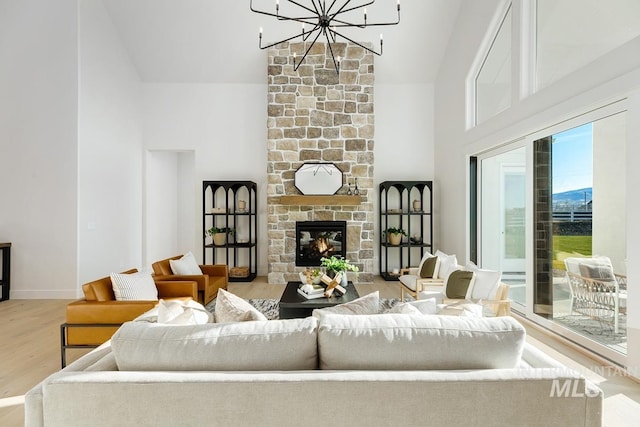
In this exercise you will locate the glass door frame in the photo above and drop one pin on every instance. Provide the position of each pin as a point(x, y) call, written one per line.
point(529, 264)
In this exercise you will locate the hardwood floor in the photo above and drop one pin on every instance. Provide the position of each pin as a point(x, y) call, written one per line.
point(30, 351)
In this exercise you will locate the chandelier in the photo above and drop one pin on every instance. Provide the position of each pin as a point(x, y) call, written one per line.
point(326, 21)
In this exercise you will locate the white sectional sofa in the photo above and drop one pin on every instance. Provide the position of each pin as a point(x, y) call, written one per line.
point(340, 370)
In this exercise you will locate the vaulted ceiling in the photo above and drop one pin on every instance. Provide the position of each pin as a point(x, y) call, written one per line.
point(216, 41)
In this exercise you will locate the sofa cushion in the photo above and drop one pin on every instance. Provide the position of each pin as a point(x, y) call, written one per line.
point(134, 287)
point(232, 308)
point(418, 342)
point(185, 266)
point(368, 304)
point(245, 346)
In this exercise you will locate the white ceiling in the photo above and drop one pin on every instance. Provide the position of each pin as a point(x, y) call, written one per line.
point(216, 41)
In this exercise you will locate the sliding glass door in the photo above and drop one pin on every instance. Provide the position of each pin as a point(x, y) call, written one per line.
point(584, 272)
point(551, 216)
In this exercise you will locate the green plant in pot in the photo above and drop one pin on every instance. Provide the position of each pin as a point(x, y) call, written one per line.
point(394, 235)
point(219, 234)
point(337, 264)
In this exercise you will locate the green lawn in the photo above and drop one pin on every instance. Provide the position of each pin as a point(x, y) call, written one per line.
point(567, 246)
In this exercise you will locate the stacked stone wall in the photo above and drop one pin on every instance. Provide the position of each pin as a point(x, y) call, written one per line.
point(317, 115)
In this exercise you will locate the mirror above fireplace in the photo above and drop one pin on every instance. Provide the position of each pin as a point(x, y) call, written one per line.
point(318, 179)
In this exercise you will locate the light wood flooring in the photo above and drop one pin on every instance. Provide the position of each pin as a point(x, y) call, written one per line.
point(30, 351)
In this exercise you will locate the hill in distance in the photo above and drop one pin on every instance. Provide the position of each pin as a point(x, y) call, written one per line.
point(573, 195)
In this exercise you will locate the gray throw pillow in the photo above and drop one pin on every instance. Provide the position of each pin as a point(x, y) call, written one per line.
point(458, 284)
point(603, 273)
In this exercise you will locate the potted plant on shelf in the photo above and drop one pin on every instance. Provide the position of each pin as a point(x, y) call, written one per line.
point(219, 234)
point(337, 264)
point(394, 235)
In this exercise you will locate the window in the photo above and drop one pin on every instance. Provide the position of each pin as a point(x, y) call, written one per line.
point(572, 33)
point(493, 83)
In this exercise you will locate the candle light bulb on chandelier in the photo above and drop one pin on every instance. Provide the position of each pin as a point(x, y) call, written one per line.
point(327, 20)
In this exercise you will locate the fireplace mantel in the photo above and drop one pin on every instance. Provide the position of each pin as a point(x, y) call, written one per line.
point(335, 200)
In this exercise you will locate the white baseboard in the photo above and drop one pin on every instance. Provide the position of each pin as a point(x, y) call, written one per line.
point(43, 294)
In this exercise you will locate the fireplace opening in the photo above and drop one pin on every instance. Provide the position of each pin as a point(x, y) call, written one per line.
point(318, 239)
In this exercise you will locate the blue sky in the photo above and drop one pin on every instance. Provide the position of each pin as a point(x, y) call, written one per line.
point(573, 159)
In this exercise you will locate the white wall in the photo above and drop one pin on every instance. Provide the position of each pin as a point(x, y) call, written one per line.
point(612, 77)
point(403, 144)
point(38, 135)
point(225, 126)
point(109, 150)
point(404, 132)
point(449, 126)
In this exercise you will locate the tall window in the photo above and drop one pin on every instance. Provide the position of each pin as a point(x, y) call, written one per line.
point(572, 33)
point(493, 83)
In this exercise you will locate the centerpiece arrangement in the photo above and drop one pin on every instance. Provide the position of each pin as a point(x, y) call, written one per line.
point(335, 279)
point(338, 265)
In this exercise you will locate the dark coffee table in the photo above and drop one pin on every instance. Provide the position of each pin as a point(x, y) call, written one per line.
point(293, 305)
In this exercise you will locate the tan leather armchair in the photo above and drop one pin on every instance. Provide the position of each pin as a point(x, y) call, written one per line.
point(93, 320)
point(213, 278)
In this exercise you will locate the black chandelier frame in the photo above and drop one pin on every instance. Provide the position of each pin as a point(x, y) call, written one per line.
point(324, 20)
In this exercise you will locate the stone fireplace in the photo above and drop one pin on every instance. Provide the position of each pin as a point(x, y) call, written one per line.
point(315, 115)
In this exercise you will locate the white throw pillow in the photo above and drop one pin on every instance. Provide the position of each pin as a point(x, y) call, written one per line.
point(421, 306)
point(485, 283)
point(183, 313)
point(150, 316)
point(462, 308)
point(232, 308)
point(403, 308)
point(368, 304)
point(134, 287)
point(185, 266)
point(448, 263)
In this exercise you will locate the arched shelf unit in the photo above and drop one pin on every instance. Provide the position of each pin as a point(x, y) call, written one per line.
point(407, 205)
point(223, 207)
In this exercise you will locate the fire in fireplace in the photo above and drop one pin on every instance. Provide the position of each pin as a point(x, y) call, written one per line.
point(317, 239)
